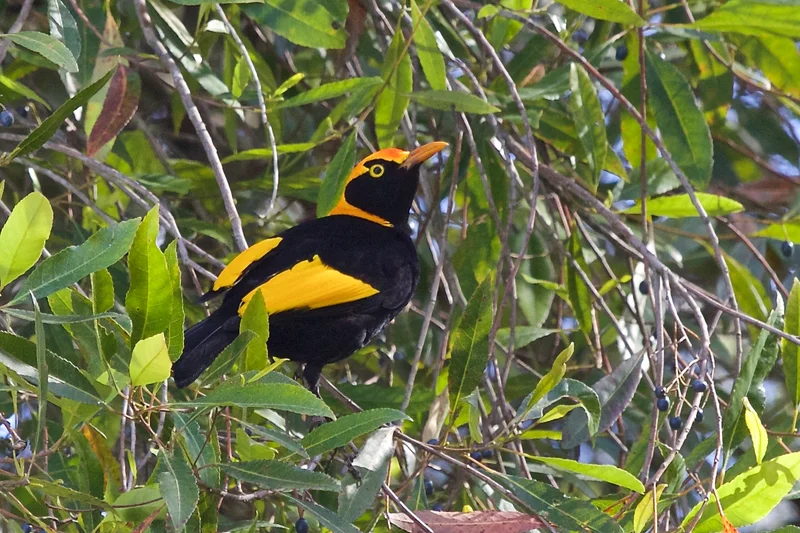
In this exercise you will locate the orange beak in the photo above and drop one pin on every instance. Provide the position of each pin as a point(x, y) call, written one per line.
point(422, 154)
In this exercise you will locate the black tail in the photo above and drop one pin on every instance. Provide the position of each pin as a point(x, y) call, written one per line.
point(203, 342)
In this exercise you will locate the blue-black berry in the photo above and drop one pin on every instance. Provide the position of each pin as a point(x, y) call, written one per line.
point(438, 507)
point(676, 423)
point(433, 442)
point(622, 52)
point(301, 526)
point(644, 288)
point(476, 455)
point(699, 385)
point(6, 118)
point(27, 528)
point(428, 487)
point(661, 392)
point(663, 404)
point(580, 36)
point(22, 111)
point(787, 248)
point(699, 417)
point(487, 454)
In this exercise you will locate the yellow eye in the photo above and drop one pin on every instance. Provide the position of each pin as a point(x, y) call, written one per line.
point(376, 171)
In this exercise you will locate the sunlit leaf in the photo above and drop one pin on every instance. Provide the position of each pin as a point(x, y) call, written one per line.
point(680, 206)
point(758, 434)
point(393, 99)
point(303, 22)
point(608, 473)
point(330, 90)
point(790, 351)
point(611, 10)
point(23, 236)
point(753, 17)
point(430, 58)
point(279, 396)
point(150, 361)
point(644, 509)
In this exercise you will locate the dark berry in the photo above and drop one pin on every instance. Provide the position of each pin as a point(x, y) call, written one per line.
point(6, 118)
point(476, 455)
point(661, 392)
point(676, 423)
point(22, 111)
point(301, 526)
point(787, 248)
point(699, 385)
point(27, 528)
point(580, 36)
point(428, 487)
point(644, 288)
point(663, 404)
point(438, 507)
point(433, 442)
point(699, 417)
point(487, 454)
point(622, 52)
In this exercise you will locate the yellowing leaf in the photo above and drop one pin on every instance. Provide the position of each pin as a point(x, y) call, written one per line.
point(150, 362)
point(644, 510)
point(757, 432)
point(23, 236)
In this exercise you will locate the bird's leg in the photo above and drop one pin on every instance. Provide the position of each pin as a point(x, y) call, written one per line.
point(311, 375)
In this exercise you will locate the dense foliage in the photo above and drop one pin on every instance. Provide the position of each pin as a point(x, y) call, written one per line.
point(605, 337)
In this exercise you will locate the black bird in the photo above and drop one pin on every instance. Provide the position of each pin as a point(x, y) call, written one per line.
point(330, 284)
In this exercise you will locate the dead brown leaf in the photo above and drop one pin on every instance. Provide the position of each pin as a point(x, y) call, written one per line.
point(477, 522)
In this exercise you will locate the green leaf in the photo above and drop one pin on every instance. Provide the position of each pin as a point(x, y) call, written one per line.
point(579, 297)
point(644, 509)
point(122, 320)
point(150, 362)
point(201, 450)
point(372, 464)
point(611, 10)
point(241, 77)
point(339, 432)
point(417, 500)
point(680, 206)
point(588, 118)
point(777, 58)
point(523, 335)
point(330, 90)
point(179, 489)
point(303, 22)
point(256, 321)
point(225, 360)
point(758, 434)
point(393, 100)
point(680, 121)
point(753, 17)
point(430, 58)
point(260, 154)
point(750, 293)
point(177, 315)
point(42, 369)
point(72, 264)
point(567, 388)
point(51, 124)
point(750, 496)
point(149, 298)
point(23, 236)
point(470, 345)
point(137, 504)
point(567, 514)
point(336, 175)
point(325, 516)
point(453, 101)
point(281, 396)
point(278, 437)
point(63, 26)
point(552, 378)
point(49, 47)
point(790, 351)
point(102, 291)
point(782, 231)
point(608, 473)
point(278, 475)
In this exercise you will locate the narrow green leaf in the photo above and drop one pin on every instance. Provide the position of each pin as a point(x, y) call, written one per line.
point(43, 370)
point(290, 82)
point(754, 17)
point(241, 77)
point(177, 315)
point(148, 301)
point(102, 291)
point(567, 388)
point(150, 361)
point(179, 489)
point(453, 101)
point(278, 475)
point(552, 378)
point(46, 45)
point(372, 464)
point(644, 509)
point(201, 450)
point(72, 264)
point(417, 500)
point(608, 473)
point(325, 516)
point(260, 154)
point(589, 120)
point(680, 206)
point(680, 121)
point(790, 351)
point(256, 321)
point(336, 175)
point(47, 318)
point(63, 26)
point(777, 58)
point(611, 10)
point(303, 22)
point(339, 432)
point(750, 293)
point(470, 345)
point(393, 100)
point(750, 496)
point(758, 434)
point(430, 58)
point(280, 396)
point(50, 125)
point(579, 297)
point(330, 90)
point(278, 437)
point(782, 231)
point(23, 236)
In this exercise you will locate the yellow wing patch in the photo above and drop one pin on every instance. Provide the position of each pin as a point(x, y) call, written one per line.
point(234, 270)
point(309, 285)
